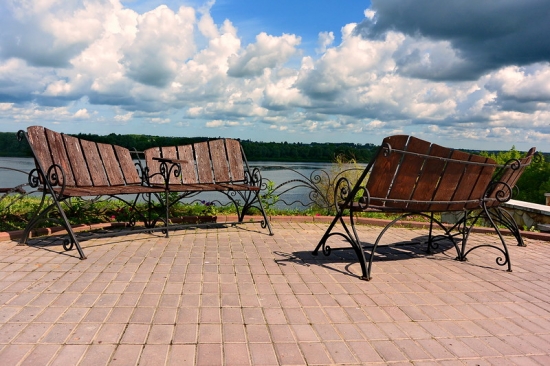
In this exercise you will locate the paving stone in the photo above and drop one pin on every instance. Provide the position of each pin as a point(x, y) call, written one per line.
point(238, 297)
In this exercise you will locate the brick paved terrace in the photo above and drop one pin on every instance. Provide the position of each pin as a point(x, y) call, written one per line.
point(237, 296)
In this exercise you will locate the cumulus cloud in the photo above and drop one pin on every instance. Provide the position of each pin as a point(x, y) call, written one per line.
point(268, 52)
point(487, 35)
point(459, 71)
point(325, 40)
point(163, 41)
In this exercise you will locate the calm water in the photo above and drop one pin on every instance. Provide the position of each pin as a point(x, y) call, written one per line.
point(14, 171)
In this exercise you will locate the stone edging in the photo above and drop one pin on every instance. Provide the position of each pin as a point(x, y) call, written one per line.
point(14, 235)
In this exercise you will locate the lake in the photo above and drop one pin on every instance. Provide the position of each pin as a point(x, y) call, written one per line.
point(14, 171)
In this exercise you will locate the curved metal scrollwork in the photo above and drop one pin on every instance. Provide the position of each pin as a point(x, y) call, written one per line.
point(386, 149)
point(318, 189)
point(501, 191)
point(20, 135)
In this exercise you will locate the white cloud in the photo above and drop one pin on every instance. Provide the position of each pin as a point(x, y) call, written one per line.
point(82, 114)
point(325, 40)
point(215, 124)
point(268, 52)
point(164, 40)
point(124, 117)
point(98, 60)
point(159, 121)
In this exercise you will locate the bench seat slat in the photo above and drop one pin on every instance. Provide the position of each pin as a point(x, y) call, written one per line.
point(209, 187)
point(107, 191)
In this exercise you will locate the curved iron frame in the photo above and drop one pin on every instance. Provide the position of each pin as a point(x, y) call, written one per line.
point(242, 200)
point(344, 196)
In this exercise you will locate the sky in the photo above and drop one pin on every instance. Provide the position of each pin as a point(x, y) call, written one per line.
point(463, 73)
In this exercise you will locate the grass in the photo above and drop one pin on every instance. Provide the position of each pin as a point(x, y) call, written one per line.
point(16, 211)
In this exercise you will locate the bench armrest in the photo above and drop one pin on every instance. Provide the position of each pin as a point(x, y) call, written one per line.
point(172, 161)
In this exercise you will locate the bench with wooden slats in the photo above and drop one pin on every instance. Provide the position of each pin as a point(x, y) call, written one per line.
point(67, 167)
point(410, 176)
point(211, 166)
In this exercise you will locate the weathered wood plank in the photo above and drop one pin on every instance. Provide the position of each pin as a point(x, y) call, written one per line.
point(78, 161)
point(188, 169)
point(428, 179)
point(127, 165)
point(219, 161)
point(449, 180)
point(170, 152)
point(406, 177)
point(110, 162)
point(154, 165)
point(384, 169)
point(204, 168)
point(235, 158)
point(95, 165)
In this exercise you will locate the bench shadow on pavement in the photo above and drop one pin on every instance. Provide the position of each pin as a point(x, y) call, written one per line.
point(398, 251)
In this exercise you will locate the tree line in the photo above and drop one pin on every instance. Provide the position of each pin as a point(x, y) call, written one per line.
point(532, 186)
point(255, 151)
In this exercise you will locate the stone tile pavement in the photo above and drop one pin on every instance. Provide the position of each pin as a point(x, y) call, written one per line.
point(237, 296)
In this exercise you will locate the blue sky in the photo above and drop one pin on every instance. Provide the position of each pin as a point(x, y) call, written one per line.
point(464, 74)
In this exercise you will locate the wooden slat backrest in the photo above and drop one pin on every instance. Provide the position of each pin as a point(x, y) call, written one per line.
point(84, 163)
point(427, 185)
point(509, 178)
point(154, 165)
point(111, 165)
point(188, 168)
point(235, 158)
point(95, 164)
point(219, 161)
point(127, 165)
point(474, 182)
point(204, 168)
point(39, 144)
point(404, 183)
point(78, 161)
point(448, 181)
point(384, 169)
point(416, 174)
point(170, 152)
point(59, 155)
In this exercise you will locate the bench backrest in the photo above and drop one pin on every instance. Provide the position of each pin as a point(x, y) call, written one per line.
point(412, 174)
point(84, 163)
point(214, 161)
point(506, 179)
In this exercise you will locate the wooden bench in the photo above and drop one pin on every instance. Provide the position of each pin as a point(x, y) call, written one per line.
point(410, 176)
point(68, 167)
point(211, 166)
